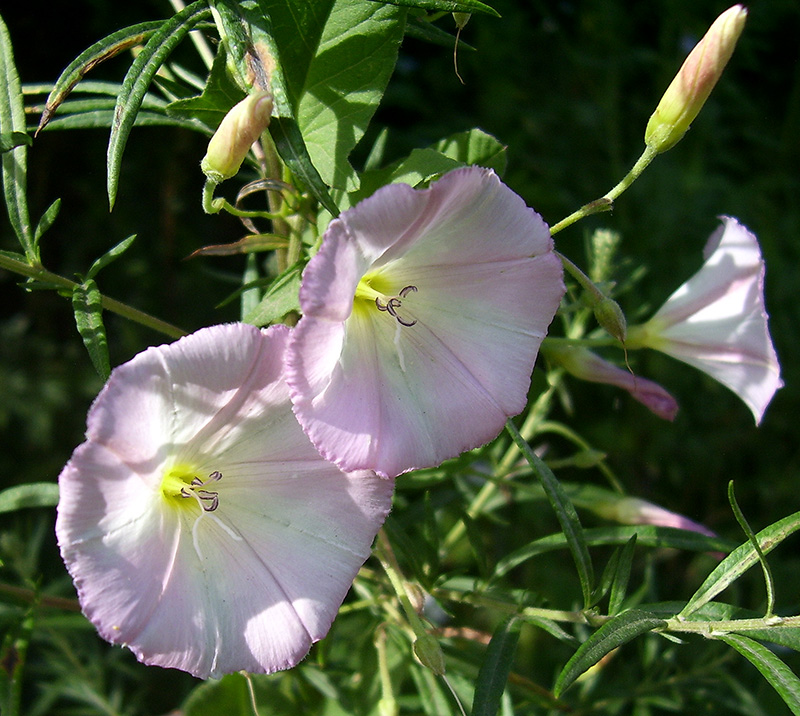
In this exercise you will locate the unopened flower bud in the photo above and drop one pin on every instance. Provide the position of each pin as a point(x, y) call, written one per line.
point(430, 653)
point(691, 87)
point(237, 132)
point(610, 316)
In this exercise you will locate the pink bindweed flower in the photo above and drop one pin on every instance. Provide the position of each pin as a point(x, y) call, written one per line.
point(717, 321)
point(201, 527)
point(423, 315)
point(584, 364)
point(635, 511)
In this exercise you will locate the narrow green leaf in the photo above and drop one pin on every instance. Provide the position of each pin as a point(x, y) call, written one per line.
point(138, 79)
point(109, 256)
point(647, 536)
point(292, 149)
point(102, 50)
point(565, 512)
point(620, 630)
point(281, 297)
point(751, 538)
point(99, 119)
point(33, 494)
point(779, 676)
point(46, 221)
point(470, 6)
point(14, 139)
point(495, 669)
point(740, 560)
point(88, 308)
point(14, 162)
point(620, 584)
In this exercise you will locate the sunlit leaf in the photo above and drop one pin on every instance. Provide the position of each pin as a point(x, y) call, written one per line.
point(281, 297)
point(345, 82)
point(468, 6)
point(14, 162)
point(100, 51)
point(88, 308)
point(137, 80)
point(113, 253)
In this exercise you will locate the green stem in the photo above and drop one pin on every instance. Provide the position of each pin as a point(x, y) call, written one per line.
point(537, 413)
point(29, 596)
point(673, 624)
point(606, 202)
point(40, 273)
point(384, 552)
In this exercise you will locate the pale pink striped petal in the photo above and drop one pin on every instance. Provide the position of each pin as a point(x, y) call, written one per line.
point(249, 584)
point(423, 315)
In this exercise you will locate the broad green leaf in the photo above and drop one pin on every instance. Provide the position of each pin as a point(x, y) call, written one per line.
point(34, 494)
point(565, 512)
point(256, 56)
point(87, 304)
point(137, 80)
point(740, 560)
point(620, 630)
point(14, 162)
point(297, 27)
point(421, 29)
point(474, 147)
point(230, 696)
point(281, 297)
point(104, 49)
point(47, 220)
point(14, 139)
point(219, 95)
point(469, 6)
point(646, 535)
point(495, 669)
point(346, 80)
point(420, 166)
point(779, 676)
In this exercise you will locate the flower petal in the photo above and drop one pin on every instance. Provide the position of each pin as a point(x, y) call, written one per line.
point(475, 285)
point(250, 584)
point(717, 321)
point(584, 364)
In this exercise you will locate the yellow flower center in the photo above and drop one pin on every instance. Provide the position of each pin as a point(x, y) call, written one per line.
point(182, 482)
point(373, 290)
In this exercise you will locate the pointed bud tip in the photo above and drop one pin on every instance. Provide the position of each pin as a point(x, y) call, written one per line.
point(698, 75)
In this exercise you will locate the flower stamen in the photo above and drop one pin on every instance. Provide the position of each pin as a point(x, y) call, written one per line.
point(394, 303)
point(207, 499)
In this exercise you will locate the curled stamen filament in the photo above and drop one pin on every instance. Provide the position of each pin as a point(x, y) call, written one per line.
point(394, 303)
point(207, 499)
